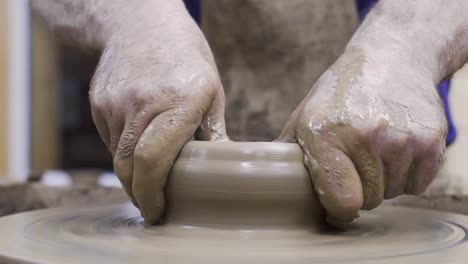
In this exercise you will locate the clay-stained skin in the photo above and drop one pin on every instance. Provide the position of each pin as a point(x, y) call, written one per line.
point(154, 96)
point(367, 136)
point(373, 126)
point(155, 88)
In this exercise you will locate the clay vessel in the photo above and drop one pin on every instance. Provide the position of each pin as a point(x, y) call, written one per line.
point(241, 184)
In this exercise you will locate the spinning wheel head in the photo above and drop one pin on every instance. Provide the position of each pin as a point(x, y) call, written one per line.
point(234, 203)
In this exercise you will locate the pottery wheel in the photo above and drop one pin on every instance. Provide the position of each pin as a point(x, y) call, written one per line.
point(234, 217)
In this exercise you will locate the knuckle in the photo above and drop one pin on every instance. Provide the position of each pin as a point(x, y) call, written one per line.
point(369, 130)
point(143, 154)
point(139, 98)
point(204, 90)
point(401, 143)
point(97, 83)
point(398, 140)
point(432, 144)
point(98, 93)
point(205, 79)
point(97, 101)
point(205, 74)
point(150, 156)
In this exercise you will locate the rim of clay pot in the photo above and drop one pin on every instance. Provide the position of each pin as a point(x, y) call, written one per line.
point(241, 184)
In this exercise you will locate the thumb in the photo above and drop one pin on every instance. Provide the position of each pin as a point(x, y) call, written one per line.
point(335, 180)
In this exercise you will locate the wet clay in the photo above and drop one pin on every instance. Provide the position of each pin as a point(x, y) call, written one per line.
point(233, 203)
point(241, 184)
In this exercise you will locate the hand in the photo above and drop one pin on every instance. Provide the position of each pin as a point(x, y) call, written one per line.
point(369, 131)
point(152, 92)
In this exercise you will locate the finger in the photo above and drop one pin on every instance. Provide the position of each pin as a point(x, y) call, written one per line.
point(427, 163)
point(123, 158)
point(154, 155)
point(397, 159)
point(398, 172)
point(363, 149)
point(335, 180)
point(370, 169)
point(213, 125)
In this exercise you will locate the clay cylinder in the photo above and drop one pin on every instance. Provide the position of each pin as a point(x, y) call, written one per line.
point(247, 184)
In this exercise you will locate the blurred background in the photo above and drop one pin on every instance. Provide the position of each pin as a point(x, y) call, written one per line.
point(51, 154)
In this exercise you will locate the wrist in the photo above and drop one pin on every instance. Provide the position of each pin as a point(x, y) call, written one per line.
point(431, 39)
point(94, 23)
point(157, 20)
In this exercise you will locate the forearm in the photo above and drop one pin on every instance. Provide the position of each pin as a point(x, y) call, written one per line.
point(431, 36)
point(94, 22)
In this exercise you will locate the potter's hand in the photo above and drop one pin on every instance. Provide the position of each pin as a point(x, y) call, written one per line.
point(149, 97)
point(156, 87)
point(373, 126)
point(146, 107)
point(368, 134)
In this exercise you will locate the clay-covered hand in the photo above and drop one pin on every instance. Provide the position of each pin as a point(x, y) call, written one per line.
point(369, 132)
point(154, 90)
point(373, 126)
